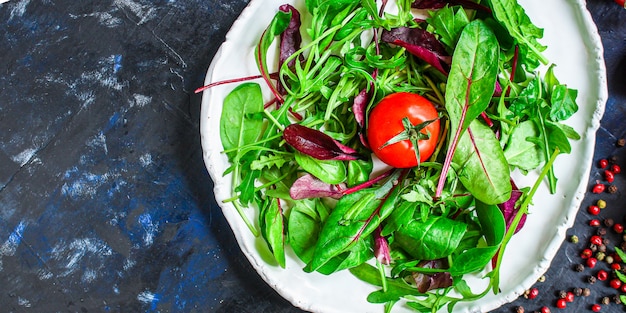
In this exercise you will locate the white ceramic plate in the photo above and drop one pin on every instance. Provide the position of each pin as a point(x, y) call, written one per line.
point(573, 44)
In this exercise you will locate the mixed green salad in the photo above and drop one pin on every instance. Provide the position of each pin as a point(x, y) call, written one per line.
point(388, 146)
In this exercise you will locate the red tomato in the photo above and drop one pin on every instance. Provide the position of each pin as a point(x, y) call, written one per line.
point(385, 123)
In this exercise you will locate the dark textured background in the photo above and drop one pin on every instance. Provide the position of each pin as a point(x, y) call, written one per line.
point(105, 205)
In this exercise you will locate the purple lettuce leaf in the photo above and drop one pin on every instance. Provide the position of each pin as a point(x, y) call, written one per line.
point(509, 209)
point(429, 4)
point(290, 39)
point(420, 43)
point(318, 145)
point(426, 282)
point(381, 247)
point(438, 4)
point(309, 186)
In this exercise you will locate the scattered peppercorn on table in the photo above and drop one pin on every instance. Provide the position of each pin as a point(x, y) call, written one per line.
point(105, 203)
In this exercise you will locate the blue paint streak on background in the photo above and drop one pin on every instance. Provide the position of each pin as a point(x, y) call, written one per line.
point(117, 63)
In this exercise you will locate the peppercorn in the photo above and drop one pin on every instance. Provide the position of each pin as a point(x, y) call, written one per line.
point(593, 248)
point(601, 231)
point(603, 163)
point(596, 240)
point(541, 278)
point(602, 248)
point(617, 299)
point(591, 262)
point(533, 293)
point(606, 241)
point(621, 142)
point(598, 188)
point(612, 189)
point(618, 228)
point(600, 255)
point(569, 296)
point(593, 210)
point(608, 222)
point(601, 204)
point(579, 267)
point(586, 253)
point(609, 260)
point(615, 283)
point(545, 309)
point(586, 292)
point(609, 176)
point(596, 308)
point(623, 246)
point(578, 291)
point(519, 309)
point(616, 169)
point(573, 239)
point(561, 303)
point(602, 275)
point(591, 279)
point(562, 294)
point(606, 300)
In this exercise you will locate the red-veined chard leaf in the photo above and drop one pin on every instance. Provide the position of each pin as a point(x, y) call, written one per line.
point(471, 84)
point(438, 4)
point(279, 24)
point(420, 43)
point(317, 144)
point(354, 218)
point(481, 166)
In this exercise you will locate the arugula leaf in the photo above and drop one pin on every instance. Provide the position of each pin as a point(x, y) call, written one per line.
point(513, 17)
point(521, 152)
point(448, 22)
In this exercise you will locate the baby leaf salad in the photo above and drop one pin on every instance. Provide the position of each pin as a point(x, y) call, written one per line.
point(388, 144)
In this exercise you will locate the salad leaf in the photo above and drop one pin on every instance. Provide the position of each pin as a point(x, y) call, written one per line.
point(481, 165)
point(513, 17)
point(471, 84)
point(448, 23)
point(273, 230)
point(434, 238)
point(328, 171)
point(239, 124)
